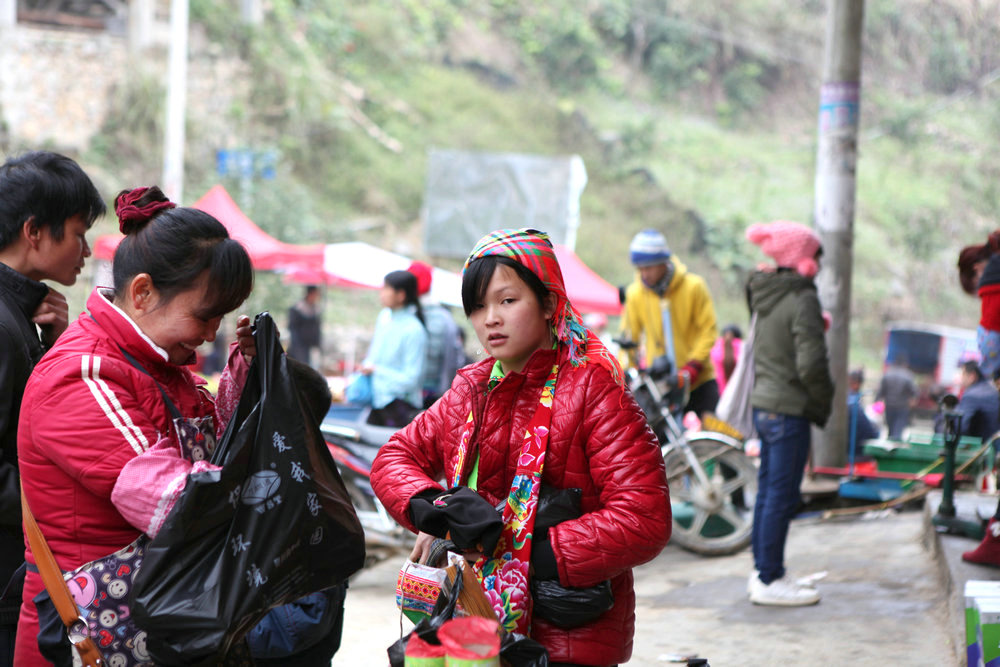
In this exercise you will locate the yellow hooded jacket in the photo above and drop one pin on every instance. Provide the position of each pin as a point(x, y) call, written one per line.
point(692, 316)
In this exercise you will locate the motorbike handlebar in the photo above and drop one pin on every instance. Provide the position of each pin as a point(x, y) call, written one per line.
point(625, 343)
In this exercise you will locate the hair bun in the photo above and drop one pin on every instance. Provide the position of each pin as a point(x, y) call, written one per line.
point(138, 206)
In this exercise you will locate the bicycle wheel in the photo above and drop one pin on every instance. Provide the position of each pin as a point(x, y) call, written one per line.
point(716, 518)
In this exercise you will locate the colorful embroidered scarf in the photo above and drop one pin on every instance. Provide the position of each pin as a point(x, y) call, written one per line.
point(504, 574)
point(533, 250)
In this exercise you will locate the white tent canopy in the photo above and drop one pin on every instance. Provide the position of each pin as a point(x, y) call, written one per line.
point(365, 265)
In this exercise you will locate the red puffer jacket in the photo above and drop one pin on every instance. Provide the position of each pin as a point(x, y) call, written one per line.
point(86, 412)
point(598, 442)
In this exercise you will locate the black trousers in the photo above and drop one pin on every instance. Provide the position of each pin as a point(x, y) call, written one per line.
point(397, 414)
point(704, 398)
point(7, 634)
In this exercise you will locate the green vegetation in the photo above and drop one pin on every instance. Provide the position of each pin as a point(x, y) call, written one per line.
point(698, 118)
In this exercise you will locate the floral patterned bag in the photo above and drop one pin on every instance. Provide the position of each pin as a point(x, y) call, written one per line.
point(101, 590)
point(417, 589)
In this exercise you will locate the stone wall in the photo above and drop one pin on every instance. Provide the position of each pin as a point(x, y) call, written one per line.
point(56, 84)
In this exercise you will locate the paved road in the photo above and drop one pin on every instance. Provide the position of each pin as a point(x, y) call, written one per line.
point(883, 603)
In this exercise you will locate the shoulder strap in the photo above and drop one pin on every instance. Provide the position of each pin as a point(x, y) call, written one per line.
point(76, 626)
point(174, 412)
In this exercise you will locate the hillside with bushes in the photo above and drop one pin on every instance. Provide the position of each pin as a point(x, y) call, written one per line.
point(694, 117)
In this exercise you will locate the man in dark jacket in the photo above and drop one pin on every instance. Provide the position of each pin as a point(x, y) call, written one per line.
point(792, 388)
point(47, 204)
point(305, 328)
point(899, 392)
point(979, 404)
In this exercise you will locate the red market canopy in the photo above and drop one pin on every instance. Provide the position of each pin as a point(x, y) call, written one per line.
point(357, 264)
point(336, 264)
point(588, 292)
point(266, 252)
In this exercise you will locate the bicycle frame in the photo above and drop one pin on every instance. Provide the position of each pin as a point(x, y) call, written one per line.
point(674, 431)
point(712, 480)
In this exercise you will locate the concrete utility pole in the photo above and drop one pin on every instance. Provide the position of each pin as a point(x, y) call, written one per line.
point(251, 11)
point(140, 24)
point(173, 141)
point(8, 13)
point(836, 162)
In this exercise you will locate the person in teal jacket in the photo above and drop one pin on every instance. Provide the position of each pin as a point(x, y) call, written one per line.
point(792, 389)
point(395, 360)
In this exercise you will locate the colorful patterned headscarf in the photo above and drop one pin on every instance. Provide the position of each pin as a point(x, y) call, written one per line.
point(533, 250)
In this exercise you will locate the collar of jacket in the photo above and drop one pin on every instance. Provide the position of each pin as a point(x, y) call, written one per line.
point(535, 373)
point(537, 369)
point(676, 271)
point(124, 332)
point(767, 288)
point(663, 285)
point(26, 293)
point(408, 310)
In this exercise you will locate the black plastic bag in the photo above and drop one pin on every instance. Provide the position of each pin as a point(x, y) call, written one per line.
point(273, 525)
point(515, 650)
point(556, 505)
point(565, 607)
point(520, 651)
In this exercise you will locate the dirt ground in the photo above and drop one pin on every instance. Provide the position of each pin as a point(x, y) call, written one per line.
point(883, 603)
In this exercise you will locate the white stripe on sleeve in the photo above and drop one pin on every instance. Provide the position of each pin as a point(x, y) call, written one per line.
point(90, 370)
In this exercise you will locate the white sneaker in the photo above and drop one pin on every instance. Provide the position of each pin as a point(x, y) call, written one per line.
point(808, 581)
point(782, 593)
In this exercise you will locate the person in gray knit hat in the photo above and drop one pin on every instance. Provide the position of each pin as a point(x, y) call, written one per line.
point(669, 311)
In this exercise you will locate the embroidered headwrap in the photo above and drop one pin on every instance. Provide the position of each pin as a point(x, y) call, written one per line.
point(533, 250)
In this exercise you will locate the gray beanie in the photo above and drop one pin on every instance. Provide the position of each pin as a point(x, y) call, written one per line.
point(649, 247)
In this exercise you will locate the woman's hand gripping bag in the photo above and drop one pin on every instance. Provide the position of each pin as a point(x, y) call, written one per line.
point(274, 524)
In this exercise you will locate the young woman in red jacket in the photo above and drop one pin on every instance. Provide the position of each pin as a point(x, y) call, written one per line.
point(979, 274)
point(546, 409)
point(117, 384)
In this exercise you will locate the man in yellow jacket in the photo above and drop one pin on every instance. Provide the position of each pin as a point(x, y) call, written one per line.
point(669, 311)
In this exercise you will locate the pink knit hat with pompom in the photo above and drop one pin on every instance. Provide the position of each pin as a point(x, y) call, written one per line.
point(791, 244)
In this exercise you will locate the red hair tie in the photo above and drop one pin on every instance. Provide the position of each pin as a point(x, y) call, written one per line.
point(132, 215)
